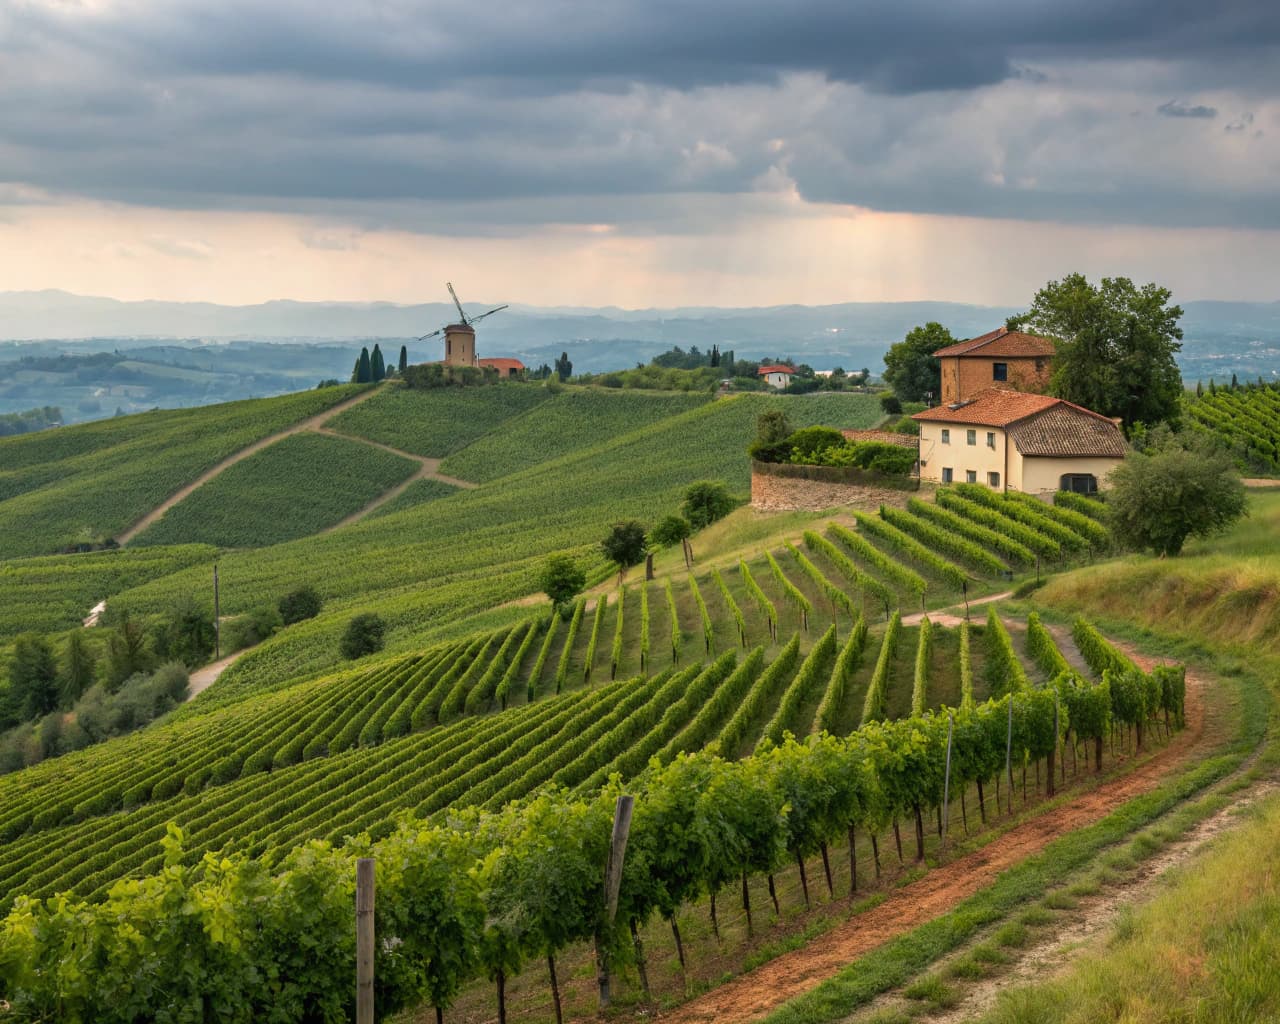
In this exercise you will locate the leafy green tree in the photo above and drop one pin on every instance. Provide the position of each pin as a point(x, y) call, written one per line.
point(626, 544)
point(561, 579)
point(909, 366)
point(1158, 500)
point(187, 633)
point(365, 634)
point(404, 358)
point(891, 405)
point(771, 443)
point(670, 531)
point(78, 664)
point(377, 365)
point(127, 653)
point(1117, 345)
point(564, 368)
point(33, 676)
point(705, 502)
point(364, 368)
point(298, 605)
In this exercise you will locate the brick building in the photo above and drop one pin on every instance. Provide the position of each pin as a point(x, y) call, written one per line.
point(999, 359)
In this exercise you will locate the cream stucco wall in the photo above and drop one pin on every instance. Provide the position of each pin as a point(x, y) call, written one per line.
point(777, 380)
point(1041, 474)
point(960, 456)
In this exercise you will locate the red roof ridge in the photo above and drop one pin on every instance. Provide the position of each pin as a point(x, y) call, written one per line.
point(971, 347)
point(776, 368)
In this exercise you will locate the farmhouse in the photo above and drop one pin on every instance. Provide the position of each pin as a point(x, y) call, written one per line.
point(777, 376)
point(1010, 440)
point(460, 350)
point(997, 359)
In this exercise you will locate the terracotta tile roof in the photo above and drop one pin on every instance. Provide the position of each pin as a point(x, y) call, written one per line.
point(1000, 342)
point(994, 407)
point(1064, 431)
point(775, 369)
point(502, 363)
point(1038, 425)
point(884, 437)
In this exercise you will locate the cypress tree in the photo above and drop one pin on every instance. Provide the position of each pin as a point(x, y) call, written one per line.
point(1199, 389)
point(404, 358)
point(355, 372)
point(77, 669)
point(378, 366)
point(364, 369)
point(1235, 384)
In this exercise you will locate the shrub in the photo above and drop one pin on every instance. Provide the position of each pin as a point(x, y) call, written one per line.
point(364, 635)
point(249, 629)
point(813, 441)
point(891, 405)
point(299, 605)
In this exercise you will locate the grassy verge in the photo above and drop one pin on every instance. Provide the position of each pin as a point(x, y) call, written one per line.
point(1211, 941)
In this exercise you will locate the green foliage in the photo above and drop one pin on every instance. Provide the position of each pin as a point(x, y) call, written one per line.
point(1091, 507)
point(33, 676)
point(561, 579)
point(1158, 501)
point(837, 597)
point(127, 653)
point(706, 502)
point(760, 598)
point(891, 405)
point(708, 632)
point(82, 485)
point(602, 605)
point(937, 538)
point(920, 687)
point(677, 637)
point(1088, 527)
point(738, 618)
point(910, 368)
point(810, 442)
point(759, 699)
point(877, 456)
point(772, 441)
point(644, 626)
point(795, 597)
point(1026, 510)
point(436, 422)
point(957, 525)
point(186, 633)
point(911, 548)
point(79, 664)
point(296, 487)
point(1117, 345)
point(1004, 671)
point(365, 634)
point(300, 605)
point(539, 666)
point(846, 664)
point(1245, 422)
point(813, 673)
point(618, 651)
point(873, 706)
point(670, 531)
point(1043, 650)
point(966, 669)
point(869, 585)
point(575, 623)
point(877, 559)
point(975, 509)
point(576, 420)
point(625, 545)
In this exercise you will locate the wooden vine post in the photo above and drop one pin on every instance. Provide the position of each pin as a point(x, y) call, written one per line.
point(612, 885)
point(364, 940)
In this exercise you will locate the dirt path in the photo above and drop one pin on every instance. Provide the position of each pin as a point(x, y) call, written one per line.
point(312, 423)
point(203, 678)
point(1261, 482)
point(945, 616)
point(754, 995)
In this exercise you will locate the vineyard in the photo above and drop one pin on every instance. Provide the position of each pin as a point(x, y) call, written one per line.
point(84, 484)
point(1247, 419)
point(787, 698)
point(316, 762)
point(271, 496)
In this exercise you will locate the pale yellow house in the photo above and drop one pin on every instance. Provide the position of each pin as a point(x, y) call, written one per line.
point(1009, 440)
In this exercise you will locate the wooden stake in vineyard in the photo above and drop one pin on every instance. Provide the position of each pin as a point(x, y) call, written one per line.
point(364, 940)
point(612, 884)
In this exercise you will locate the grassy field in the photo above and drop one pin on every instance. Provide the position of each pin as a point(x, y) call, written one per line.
point(296, 487)
point(85, 483)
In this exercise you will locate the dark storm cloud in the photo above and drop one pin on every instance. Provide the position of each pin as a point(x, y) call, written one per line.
point(245, 104)
point(1176, 109)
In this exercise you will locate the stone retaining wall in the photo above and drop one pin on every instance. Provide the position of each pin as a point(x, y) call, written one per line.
point(771, 493)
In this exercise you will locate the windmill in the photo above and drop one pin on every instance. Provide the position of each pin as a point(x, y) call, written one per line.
point(460, 338)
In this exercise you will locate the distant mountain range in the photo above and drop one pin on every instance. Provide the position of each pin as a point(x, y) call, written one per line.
point(1221, 337)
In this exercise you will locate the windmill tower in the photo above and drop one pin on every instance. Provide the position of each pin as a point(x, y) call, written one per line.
point(460, 338)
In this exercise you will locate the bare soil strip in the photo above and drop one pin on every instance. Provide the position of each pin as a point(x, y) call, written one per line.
point(204, 677)
point(752, 996)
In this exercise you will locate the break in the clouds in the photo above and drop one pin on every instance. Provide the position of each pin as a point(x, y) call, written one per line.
point(649, 116)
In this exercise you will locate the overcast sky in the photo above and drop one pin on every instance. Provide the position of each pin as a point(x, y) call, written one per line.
point(637, 152)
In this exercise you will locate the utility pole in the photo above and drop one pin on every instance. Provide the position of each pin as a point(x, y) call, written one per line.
point(217, 618)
